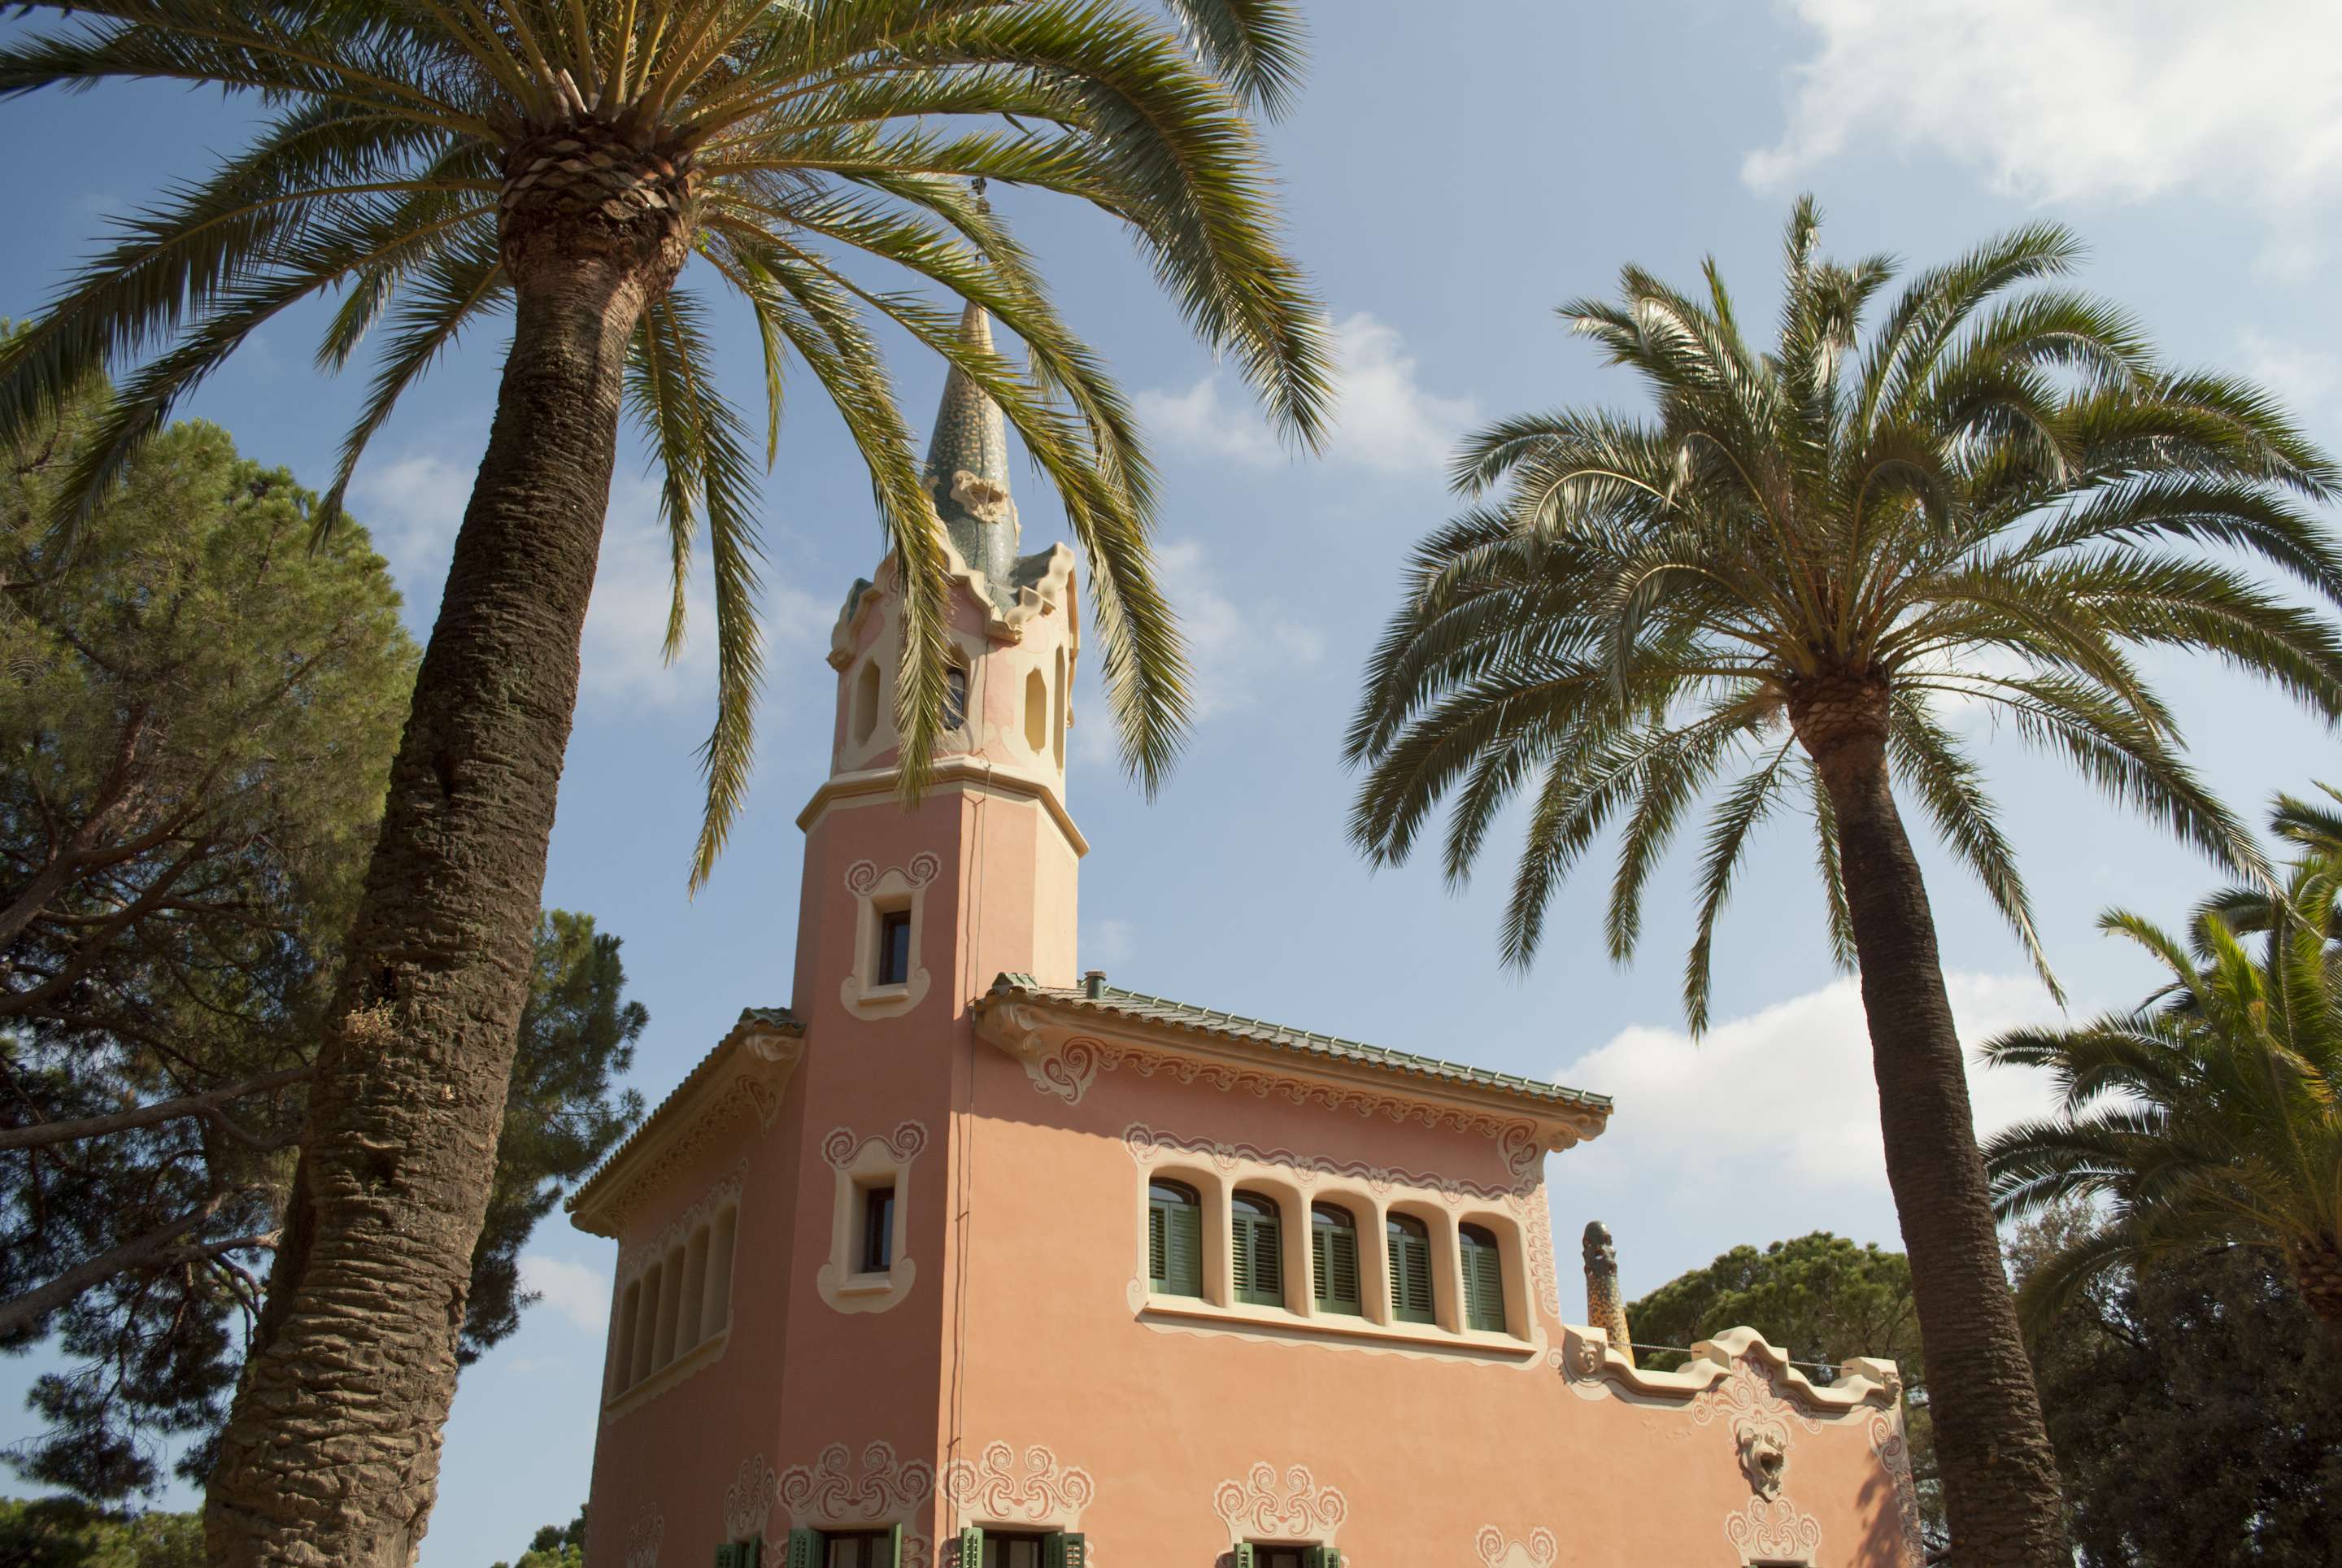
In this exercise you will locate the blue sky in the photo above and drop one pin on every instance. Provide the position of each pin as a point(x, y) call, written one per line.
point(1452, 173)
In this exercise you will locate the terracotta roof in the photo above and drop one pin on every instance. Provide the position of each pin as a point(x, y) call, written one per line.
point(1112, 1001)
point(779, 1018)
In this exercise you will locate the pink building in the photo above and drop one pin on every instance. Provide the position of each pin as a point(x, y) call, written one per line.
point(965, 1257)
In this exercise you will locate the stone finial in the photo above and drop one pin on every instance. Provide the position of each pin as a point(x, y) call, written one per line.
point(1604, 1308)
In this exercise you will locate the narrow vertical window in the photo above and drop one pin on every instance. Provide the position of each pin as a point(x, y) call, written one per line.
point(1333, 1259)
point(865, 703)
point(715, 1310)
point(1037, 713)
point(894, 947)
point(1258, 1251)
point(1410, 1269)
point(1483, 1279)
point(954, 696)
point(1174, 1240)
point(877, 1229)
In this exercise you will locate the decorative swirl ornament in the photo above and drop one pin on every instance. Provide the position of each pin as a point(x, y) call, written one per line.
point(1259, 1508)
point(643, 1541)
point(748, 1501)
point(830, 1493)
point(1040, 1491)
point(1498, 1552)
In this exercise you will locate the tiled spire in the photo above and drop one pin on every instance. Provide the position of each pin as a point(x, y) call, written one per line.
point(968, 467)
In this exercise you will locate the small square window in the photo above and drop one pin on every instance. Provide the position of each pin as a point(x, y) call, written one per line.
point(877, 1229)
point(894, 947)
point(955, 698)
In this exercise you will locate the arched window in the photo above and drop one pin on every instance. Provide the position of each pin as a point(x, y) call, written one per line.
point(865, 703)
point(1258, 1256)
point(1410, 1269)
point(954, 696)
point(1483, 1279)
point(1174, 1240)
point(1333, 1259)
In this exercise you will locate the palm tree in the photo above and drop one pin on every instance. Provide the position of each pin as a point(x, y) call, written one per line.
point(1771, 589)
point(439, 162)
point(2209, 1116)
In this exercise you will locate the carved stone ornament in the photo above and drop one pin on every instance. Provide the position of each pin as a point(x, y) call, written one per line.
point(998, 1488)
point(981, 498)
point(1264, 1507)
point(1764, 1450)
point(1773, 1532)
point(1892, 1451)
point(841, 1146)
point(834, 1493)
point(1497, 1551)
point(643, 1541)
point(748, 1501)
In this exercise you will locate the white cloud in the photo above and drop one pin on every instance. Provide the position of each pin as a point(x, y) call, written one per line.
point(2074, 100)
point(571, 1290)
point(414, 505)
point(1787, 1093)
point(1107, 943)
point(1385, 420)
point(2306, 379)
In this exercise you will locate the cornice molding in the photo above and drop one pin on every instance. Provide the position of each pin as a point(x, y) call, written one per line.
point(871, 786)
point(743, 1077)
point(1063, 1053)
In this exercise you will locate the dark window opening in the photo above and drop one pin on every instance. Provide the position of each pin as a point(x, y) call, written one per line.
point(1015, 1551)
point(954, 696)
point(857, 1549)
point(895, 948)
point(877, 1230)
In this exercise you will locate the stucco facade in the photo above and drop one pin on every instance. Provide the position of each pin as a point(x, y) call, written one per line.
point(892, 1266)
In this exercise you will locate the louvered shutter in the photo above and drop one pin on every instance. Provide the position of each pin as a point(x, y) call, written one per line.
point(727, 1557)
point(971, 1547)
point(1321, 1557)
point(1321, 1274)
point(1240, 1255)
point(805, 1548)
point(1158, 1247)
point(1483, 1286)
point(1342, 1257)
point(1259, 1261)
point(1243, 1555)
point(1183, 1234)
point(895, 1546)
point(1410, 1263)
point(1066, 1550)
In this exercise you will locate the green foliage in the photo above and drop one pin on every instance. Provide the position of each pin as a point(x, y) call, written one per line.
point(1998, 497)
point(64, 1533)
point(198, 712)
point(813, 141)
point(2196, 1413)
point(1819, 1298)
point(2211, 1114)
point(556, 1546)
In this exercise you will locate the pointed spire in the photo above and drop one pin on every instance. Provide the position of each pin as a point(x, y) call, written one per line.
point(968, 467)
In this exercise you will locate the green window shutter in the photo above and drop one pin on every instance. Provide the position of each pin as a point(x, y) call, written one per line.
point(805, 1548)
point(1259, 1261)
point(1182, 1251)
point(752, 1551)
point(1066, 1550)
point(1243, 1555)
point(1483, 1286)
point(895, 1545)
point(1321, 1276)
point(971, 1547)
point(1340, 1292)
point(1158, 1247)
point(1240, 1254)
point(1410, 1266)
point(727, 1557)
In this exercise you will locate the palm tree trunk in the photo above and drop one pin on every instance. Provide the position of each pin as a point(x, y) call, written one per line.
point(331, 1454)
point(2000, 1477)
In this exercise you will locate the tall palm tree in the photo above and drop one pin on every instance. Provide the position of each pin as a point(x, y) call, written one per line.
point(1769, 589)
point(562, 163)
point(2210, 1115)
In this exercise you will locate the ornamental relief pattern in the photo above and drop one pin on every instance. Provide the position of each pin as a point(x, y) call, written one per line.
point(1496, 1551)
point(831, 1492)
point(1893, 1451)
point(1773, 1532)
point(748, 1501)
point(842, 1147)
point(1296, 1508)
point(643, 1541)
point(1150, 1148)
point(998, 1488)
point(1068, 1071)
point(633, 1259)
point(864, 875)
